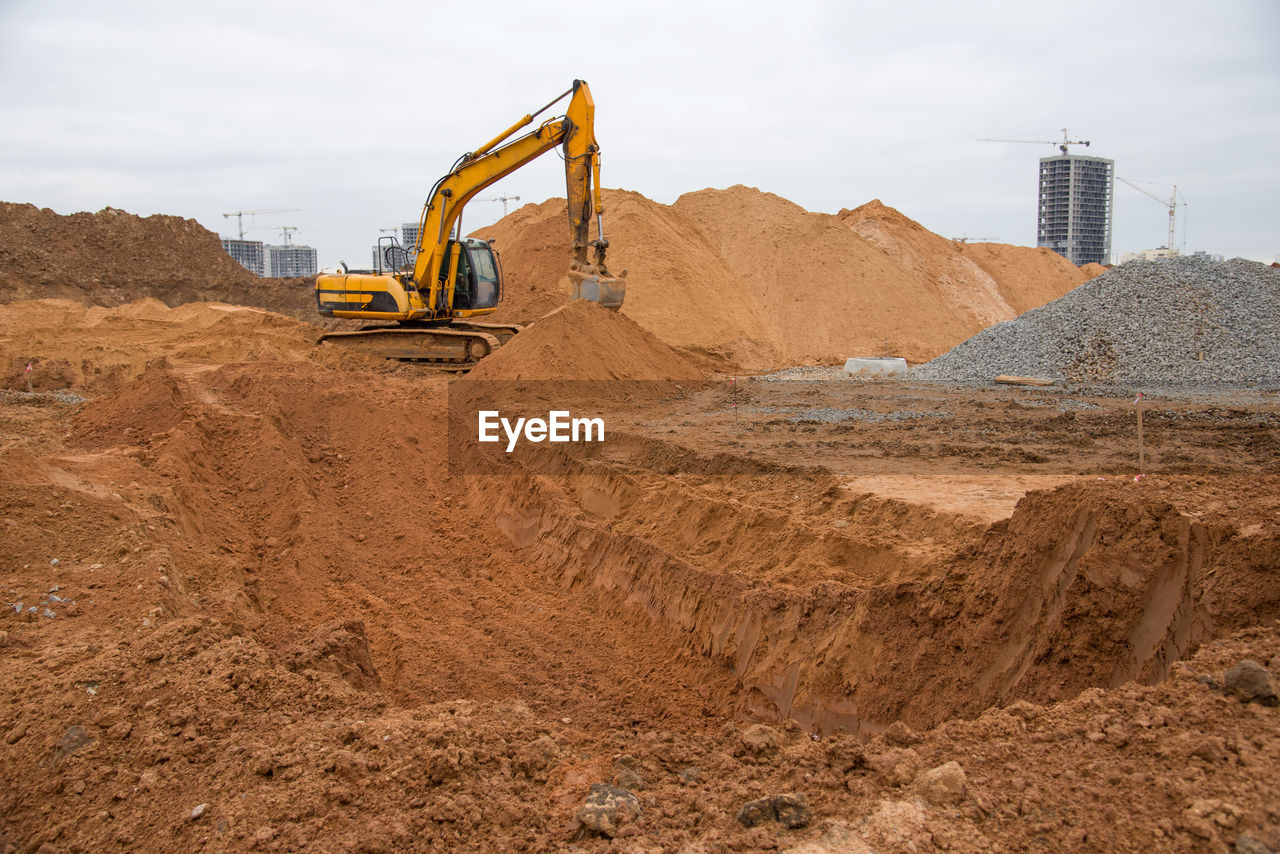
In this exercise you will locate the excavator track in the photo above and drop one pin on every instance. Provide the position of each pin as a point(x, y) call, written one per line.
point(504, 332)
point(456, 348)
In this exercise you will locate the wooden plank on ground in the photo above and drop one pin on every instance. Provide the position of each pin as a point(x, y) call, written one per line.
point(1010, 379)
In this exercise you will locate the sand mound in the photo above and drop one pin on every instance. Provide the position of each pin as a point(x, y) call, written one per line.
point(112, 257)
point(582, 341)
point(756, 278)
point(678, 285)
point(1026, 277)
point(827, 291)
point(71, 345)
point(961, 287)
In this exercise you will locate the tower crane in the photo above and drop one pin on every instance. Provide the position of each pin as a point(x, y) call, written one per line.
point(504, 200)
point(239, 215)
point(1172, 205)
point(1062, 145)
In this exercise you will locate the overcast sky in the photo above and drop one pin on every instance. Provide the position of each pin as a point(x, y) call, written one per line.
point(349, 112)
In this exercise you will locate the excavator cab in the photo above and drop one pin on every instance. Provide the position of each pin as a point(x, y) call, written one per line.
point(478, 284)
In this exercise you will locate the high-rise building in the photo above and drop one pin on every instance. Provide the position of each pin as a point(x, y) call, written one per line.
point(247, 253)
point(1076, 207)
point(286, 262)
point(409, 235)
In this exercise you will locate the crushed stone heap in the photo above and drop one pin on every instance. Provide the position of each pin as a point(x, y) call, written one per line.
point(1170, 323)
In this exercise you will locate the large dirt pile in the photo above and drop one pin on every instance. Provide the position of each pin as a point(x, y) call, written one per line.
point(1173, 322)
point(582, 341)
point(678, 285)
point(827, 293)
point(112, 257)
point(751, 276)
point(959, 286)
point(97, 349)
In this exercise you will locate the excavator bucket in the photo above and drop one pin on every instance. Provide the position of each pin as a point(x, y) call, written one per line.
point(608, 291)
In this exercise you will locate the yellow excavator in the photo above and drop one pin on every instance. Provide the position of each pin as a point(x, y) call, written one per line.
point(435, 296)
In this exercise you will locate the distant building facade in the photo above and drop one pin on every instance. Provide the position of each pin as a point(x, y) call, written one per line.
point(1149, 255)
point(287, 262)
point(247, 253)
point(1165, 252)
point(1075, 210)
point(397, 259)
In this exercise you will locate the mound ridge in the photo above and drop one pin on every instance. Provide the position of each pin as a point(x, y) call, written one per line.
point(98, 349)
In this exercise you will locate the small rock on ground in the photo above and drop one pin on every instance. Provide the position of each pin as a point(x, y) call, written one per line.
point(1251, 682)
point(790, 810)
point(607, 811)
point(943, 785)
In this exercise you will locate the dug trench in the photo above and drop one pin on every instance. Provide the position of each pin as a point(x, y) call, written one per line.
point(324, 498)
point(306, 496)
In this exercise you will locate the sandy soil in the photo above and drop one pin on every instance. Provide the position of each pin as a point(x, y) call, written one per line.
point(248, 606)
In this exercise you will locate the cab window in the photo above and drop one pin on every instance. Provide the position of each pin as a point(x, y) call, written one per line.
point(486, 277)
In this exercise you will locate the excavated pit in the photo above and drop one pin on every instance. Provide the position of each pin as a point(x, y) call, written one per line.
point(849, 612)
point(786, 593)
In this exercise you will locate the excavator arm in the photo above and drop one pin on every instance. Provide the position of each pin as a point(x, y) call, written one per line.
point(436, 268)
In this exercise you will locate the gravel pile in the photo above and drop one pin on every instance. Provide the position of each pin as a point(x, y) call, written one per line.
point(1169, 323)
point(38, 398)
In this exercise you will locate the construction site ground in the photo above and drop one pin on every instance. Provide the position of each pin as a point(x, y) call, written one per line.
point(249, 607)
point(260, 594)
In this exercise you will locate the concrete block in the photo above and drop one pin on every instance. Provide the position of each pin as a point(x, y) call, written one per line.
point(889, 366)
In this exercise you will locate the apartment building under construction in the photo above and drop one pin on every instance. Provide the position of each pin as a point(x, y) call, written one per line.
point(248, 253)
point(1075, 211)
